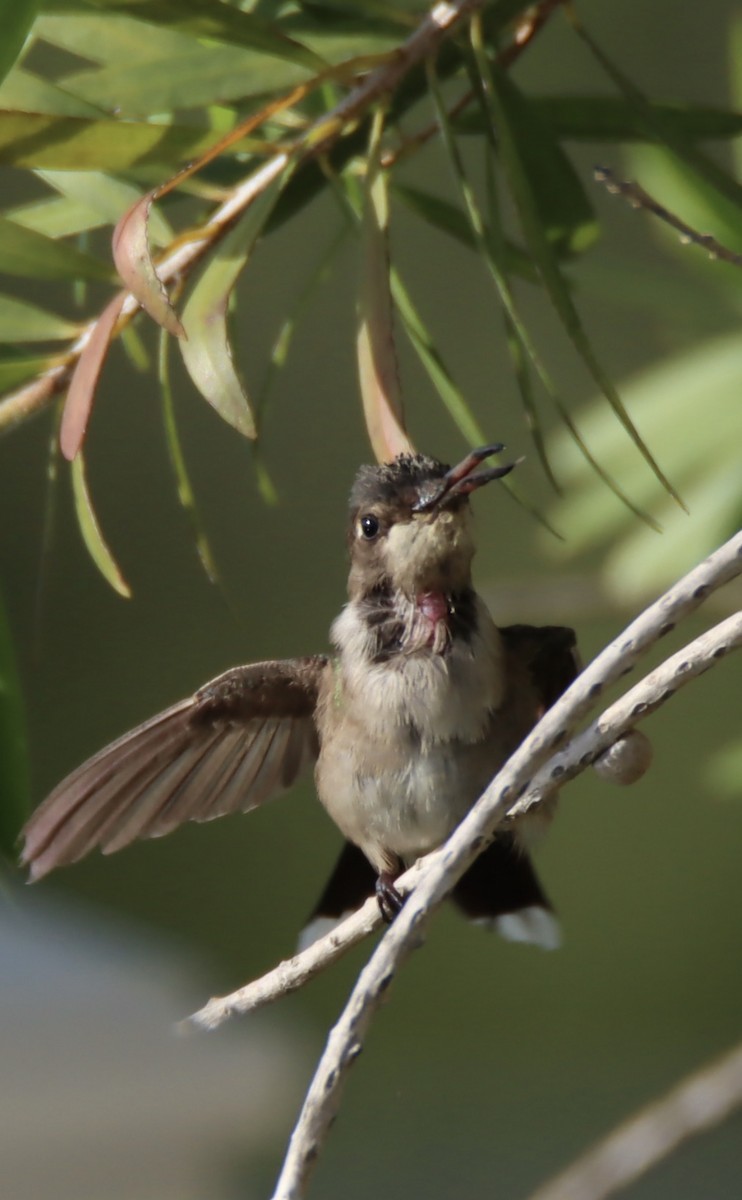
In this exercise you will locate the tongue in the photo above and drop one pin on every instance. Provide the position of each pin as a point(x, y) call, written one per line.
point(433, 605)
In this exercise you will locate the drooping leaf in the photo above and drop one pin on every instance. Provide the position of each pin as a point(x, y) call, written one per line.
point(491, 251)
point(659, 128)
point(91, 531)
point(282, 344)
point(56, 217)
point(14, 772)
point(16, 19)
point(207, 19)
point(186, 495)
point(81, 393)
point(378, 371)
point(206, 349)
point(450, 219)
point(499, 91)
point(671, 397)
point(593, 118)
point(560, 204)
point(24, 322)
point(65, 143)
point(431, 359)
point(109, 197)
point(27, 253)
point(134, 263)
point(24, 91)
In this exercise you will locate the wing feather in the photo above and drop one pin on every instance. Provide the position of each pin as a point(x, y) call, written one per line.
point(232, 745)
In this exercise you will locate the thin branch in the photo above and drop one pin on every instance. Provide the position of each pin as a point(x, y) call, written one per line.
point(638, 198)
point(696, 1105)
point(185, 254)
point(446, 867)
point(637, 704)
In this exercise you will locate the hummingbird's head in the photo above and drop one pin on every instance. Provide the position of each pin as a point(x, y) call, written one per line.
point(410, 524)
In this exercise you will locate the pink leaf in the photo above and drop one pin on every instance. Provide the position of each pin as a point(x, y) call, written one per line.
point(79, 402)
point(133, 260)
point(377, 358)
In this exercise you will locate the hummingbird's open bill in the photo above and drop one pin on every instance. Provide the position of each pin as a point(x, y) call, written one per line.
point(408, 719)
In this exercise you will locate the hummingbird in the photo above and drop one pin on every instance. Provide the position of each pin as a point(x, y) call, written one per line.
point(421, 701)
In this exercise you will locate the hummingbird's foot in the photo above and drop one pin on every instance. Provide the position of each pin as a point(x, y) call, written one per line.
point(390, 901)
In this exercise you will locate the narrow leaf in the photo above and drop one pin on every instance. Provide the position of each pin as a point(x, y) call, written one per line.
point(27, 253)
point(206, 349)
point(14, 772)
point(377, 359)
point(498, 91)
point(589, 118)
point(107, 196)
point(71, 143)
point(450, 219)
point(134, 263)
point(438, 373)
point(91, 532)
point(81, 394)
point(23, 322)
point(560, 203)
point(491, 250)
point(660, 129)
point(209, 19)
point(186, 495)
point(17, 368)
point(16, 19)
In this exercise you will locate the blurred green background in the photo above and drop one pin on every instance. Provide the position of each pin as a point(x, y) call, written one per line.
point(492, 1065)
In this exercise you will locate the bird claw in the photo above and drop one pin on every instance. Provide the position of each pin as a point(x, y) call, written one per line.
point(389, 899)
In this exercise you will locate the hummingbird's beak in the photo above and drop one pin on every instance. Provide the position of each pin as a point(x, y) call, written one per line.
point(463, 479)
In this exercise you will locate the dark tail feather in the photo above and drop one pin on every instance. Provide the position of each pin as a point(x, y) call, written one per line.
point(351, 883)
point(501, 890)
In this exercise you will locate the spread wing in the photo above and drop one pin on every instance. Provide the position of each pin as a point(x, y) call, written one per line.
point(236, 742)
point(550, 654)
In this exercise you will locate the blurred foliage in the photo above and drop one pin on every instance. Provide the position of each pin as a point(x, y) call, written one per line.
point(153, 117)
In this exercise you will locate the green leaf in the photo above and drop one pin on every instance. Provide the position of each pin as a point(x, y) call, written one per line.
point(91, 532)
point(16, 19)
point(698, 389)
point(23, 90)
point(662, 130)
point(438, 373)
point(57, 217)
point(186, 495)
point(558, 198)
point(15, 368)
point(24, 322)
point(205, 348)
point(14, 769)
point(27, 253)
point(80, 144)
point(614, 119)
point(206, 19)
point(196, 76)
point(108, 197)
point(450, 219)
point(519, 165)
point(491, 249)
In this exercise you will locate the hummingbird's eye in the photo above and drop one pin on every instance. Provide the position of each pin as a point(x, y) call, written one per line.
point(369, 526)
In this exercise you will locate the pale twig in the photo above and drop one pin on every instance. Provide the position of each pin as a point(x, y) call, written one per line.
point(447, 865)
point(638, 198)
point(179, 261)
point(694, 1106)
point(637, 704)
